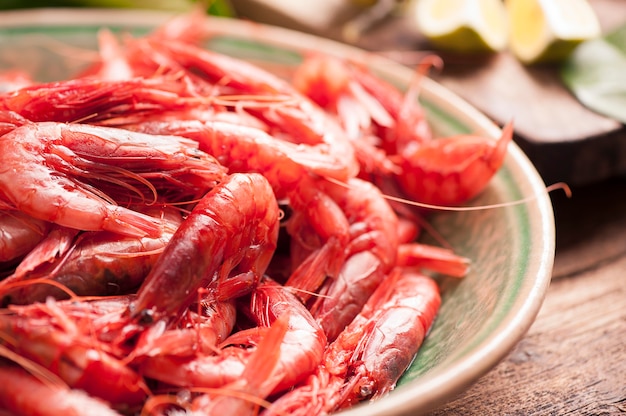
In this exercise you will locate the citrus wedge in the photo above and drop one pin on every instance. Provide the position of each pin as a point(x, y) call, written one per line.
point(468, 26)
point(548, 30)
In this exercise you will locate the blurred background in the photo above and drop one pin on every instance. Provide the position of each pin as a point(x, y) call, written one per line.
point(217, 7)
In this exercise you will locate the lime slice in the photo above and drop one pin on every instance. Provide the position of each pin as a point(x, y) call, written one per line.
point(468, 26)
point(548, 30)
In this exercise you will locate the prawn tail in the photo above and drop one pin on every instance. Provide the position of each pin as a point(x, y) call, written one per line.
point(497, 157)
point(437, 259)
point(131, 223)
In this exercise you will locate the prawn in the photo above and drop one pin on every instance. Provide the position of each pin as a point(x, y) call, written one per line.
point(302, 349)
point(370, 254)
point(299, 354)
point(257, 380)
point(452, 170)
point(201, 329)
point(54, 341)
point(393, 326)
point(364, 103)
point(295, 118)
point(250, 149)
point(291, 170)
point(443, 171)
point(342, 90)
point(19, 234)
point(243, 395)
point(103, 101)
point(44, 166)
point(369, 356)
point(232, 231)
point(51, 399)
point(94, 263)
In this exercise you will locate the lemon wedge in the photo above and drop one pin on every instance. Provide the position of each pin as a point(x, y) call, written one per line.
point(548, 30)
point(468, 26)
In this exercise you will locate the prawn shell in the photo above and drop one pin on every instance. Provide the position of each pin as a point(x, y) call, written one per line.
point(234, 225)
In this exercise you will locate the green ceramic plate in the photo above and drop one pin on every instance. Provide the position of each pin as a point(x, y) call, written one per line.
point(483, 315)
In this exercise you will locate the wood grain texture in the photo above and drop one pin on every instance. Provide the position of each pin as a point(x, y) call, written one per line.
point(573, 358)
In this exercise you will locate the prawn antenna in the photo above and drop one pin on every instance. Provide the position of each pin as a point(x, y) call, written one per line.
point(551, 188)
point(295, 291)
point(40, 280)
point(44, 375)
point(156, 401)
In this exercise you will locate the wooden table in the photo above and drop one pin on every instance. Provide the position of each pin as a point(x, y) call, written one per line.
point(573, 358)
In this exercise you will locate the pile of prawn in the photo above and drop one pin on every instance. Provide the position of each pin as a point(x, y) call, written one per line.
point(183, 232)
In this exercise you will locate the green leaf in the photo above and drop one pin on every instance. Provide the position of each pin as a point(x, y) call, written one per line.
point(221, 8)
point(596, 74)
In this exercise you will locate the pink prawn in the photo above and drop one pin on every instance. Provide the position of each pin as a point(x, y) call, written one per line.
point(369, 356)
point(299, 354)
point(59, 344)
point(236, 228)
point(44, 166)
point(445, 171)
point(51, 399)
point(19, 234)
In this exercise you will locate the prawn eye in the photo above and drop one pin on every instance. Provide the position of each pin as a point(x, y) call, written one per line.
point(366, 389)
point(146, 316)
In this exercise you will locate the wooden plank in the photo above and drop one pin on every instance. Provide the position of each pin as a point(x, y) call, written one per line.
point(573, 359)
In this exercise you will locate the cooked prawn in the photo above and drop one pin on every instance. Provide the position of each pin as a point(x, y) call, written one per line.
point(54, 341)
point(90, 264)
point(233, 230)
point(19, 234)
point(45, 168)
point(369, 356)
point(24, 394)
